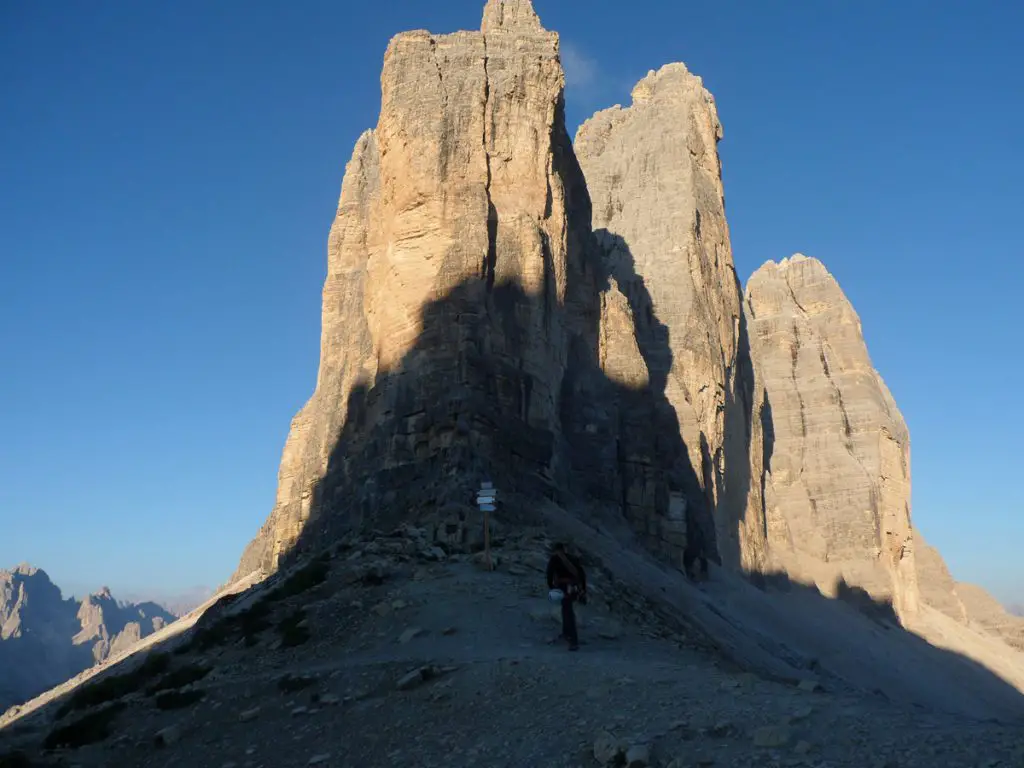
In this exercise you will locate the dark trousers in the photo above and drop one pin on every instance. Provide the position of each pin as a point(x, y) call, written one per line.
point(569, 621)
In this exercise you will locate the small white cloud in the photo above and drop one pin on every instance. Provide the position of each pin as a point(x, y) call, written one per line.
point(581, 70)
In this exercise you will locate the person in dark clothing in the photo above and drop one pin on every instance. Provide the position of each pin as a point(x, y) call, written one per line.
point(695, 554)
point(696, 550)
point(565, 572)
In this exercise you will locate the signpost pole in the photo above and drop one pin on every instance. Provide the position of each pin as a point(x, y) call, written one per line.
point(487, 541)
point(486, 499)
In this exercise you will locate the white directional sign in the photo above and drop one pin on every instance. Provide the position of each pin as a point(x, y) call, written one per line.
point(487, 494)
point(487, 508)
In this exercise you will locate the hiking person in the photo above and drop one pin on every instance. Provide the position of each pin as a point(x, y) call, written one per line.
point(565, 572)
point(695, 553)
point(696, 550)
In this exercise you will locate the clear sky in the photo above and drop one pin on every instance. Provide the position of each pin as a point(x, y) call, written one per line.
point(169, 172)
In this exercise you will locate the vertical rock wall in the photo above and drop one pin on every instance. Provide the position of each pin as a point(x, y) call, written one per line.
point(671, 315)
point(837, 489)
point(450, 264)
point(493, 307)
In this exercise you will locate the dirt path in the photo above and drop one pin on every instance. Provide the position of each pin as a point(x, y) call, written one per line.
point(497, 693)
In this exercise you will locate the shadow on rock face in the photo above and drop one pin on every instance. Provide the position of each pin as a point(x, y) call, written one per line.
point(509, 385)
point(459, 409)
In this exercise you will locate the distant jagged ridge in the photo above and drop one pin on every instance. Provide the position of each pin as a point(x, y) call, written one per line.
point(178, 602)
point(46, 639)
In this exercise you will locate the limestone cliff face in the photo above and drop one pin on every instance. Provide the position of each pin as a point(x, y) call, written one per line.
point(987, 613)
point(575, 329)
point(837, 475)
point(480, 316)
point(671, 314)
point(966, 603)
point(450, 265)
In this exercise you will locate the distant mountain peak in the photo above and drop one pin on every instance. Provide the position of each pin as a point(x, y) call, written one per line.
point(45, 639)
point(25, 571)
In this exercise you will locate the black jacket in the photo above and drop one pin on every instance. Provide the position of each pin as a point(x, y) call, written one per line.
point(572, 571)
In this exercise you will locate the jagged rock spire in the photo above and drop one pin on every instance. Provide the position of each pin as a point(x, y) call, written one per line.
point(658, 210)
point(515, 15)
point(449, 264)
point(837, 483)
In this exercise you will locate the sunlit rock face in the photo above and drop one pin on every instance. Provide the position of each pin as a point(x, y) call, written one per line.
point(837, 490)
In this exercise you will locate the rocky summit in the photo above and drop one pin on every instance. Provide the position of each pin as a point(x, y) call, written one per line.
point(453, 295)
point(563, 318)
point(45, 639)
point(837, 468)
point(671, 320)
point(482, 318)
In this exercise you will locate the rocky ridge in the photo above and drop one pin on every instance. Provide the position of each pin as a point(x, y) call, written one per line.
point(565, 319)
point(671, 314)
point(45, 639)
point(530, 348)
point(176, 602)
point(938, 587)
point(966, 603)
point(450, 264)
point(989, 614)
point(837, 478)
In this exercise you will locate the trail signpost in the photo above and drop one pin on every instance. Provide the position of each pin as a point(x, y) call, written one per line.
point(486, 498)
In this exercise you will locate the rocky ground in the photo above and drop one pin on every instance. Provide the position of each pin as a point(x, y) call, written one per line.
point(390, 652)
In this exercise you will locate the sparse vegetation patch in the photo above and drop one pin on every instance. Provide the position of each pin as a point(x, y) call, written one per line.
point(88, 729)
point(114, 687)
point(179, 699)
point(248, 624)
point(310, 575)
point(293, 629)
point(179, 678)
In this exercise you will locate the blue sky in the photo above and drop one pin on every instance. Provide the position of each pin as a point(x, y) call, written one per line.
point(170, 170)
